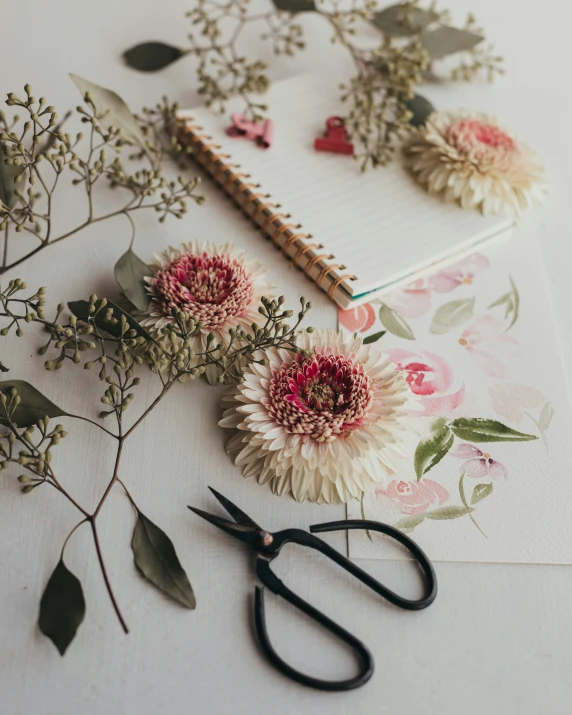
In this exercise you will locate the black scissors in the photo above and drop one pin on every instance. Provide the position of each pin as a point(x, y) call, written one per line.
point(267, 547)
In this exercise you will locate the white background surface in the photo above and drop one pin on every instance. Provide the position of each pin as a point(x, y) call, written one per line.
point(497, 638)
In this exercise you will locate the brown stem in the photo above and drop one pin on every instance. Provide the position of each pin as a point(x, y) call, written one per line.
point(105, 576)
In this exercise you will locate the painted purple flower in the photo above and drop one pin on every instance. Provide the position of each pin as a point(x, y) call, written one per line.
point(479, 464)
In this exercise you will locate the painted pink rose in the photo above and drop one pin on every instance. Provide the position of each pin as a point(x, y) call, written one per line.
point(478, 464)
point(412, 301)
point(357, 319)
point(430, 377)
point(461, 273)
point(414, 497)
point(487, 342)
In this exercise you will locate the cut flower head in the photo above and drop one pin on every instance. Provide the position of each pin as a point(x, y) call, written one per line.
point(323, 424)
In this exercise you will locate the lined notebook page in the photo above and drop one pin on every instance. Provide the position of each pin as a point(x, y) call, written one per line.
point(379, 224)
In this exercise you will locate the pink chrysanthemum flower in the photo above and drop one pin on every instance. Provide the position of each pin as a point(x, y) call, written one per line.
point(215, 284)
point(469, 159)
point(322, 426)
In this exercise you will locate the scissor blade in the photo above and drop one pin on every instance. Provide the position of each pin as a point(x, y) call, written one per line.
point(240, 531)
point(237, 514)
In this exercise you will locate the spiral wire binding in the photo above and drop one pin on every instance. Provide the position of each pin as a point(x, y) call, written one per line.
point(207, 154)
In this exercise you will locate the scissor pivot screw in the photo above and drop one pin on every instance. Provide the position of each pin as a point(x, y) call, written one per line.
point(266, 538)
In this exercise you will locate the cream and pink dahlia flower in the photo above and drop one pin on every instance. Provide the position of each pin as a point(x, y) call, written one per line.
point(214, 284)
point(469, 159)
point(324, 425)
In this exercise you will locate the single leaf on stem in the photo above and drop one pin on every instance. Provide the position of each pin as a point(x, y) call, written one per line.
point(477, 429)
point(409, 522)
point(396, 325)
point(295, 6)
point(446, 40)
point(111, 110)
point(448, 512)
point(421, 108)
point(80, 308)
point(451, 315)
point(374, 338)
point(33, 405)
point(480, 492)
point(157, 560)
point(546, 415)
point(130, 273)
point(152, 56)
point(431, 451)
point(62, 608)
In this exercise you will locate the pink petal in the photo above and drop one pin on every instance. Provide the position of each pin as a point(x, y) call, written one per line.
point(442, 406)
point(497, 470)
point(410, 303)
point(445, 281)
point(440, 491)
point(475, 468)
point(488, 363)
point(466, 451)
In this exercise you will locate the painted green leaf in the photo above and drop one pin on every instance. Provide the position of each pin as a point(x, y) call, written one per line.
point(374, 338)
point(410, 522)
point(152, 56)
point(395, 323)
point(448, 512)
point(157, 560)
point(431, 451)
point(421, 109)
point(500, 301)
point(130, 273)
point(451, 315)
point(80, 308)
point(112, 110)
point(546, 415)
point(8, 176)
point(403, 20)
point(446, 40)
point(33, 405)
point(515, 306)
point(480, 492)
point(477, 429)
point(295, 6)
point(62, 608)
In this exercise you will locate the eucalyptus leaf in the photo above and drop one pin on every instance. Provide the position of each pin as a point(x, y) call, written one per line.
point(421, 108)
point(446, 40)
point(451, 315)
point(431, 451)
point(8, 175)
point(295, 6)
point(410, 522)
point(374, 338)
point(477, 429)
point(480, 492)
point(157, 560)
point(130, 273)
point(403, 20)
point(3, 367)
point(152, 56)
point(80, 308)
point(33, 405)
point(546, 415)
point(112, 110)
point(395, 323)
point(448, 512)
point(62, 608)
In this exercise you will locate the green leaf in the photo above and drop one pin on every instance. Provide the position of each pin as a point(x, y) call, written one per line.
point(374, 338)
point(403, 20)
point(480, 492)
point(8, 176)
point(446, 40)
point(62, 608)
point(152, 56)
point(448, 512)
point(130, 273)
point(3, 368)
point(451, 315)
point(546, 415)
point(155, 557)
point(421, 109)
point(500, 301)
point(80, 308)
point(33, 405)
point(295, 6)
point(477, 429)
point(431, 451)
point(410, 522)
point(395, 323)
point(516, 306)
point(111, 110)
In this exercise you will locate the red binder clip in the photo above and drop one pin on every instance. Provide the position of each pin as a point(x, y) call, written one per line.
point(262, 134)
point(336, 139)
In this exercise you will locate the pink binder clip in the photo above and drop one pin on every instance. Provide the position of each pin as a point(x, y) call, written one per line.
point(262, 134)
point(336, 139)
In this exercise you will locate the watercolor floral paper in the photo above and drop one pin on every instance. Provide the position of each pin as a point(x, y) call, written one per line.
point(491, 477)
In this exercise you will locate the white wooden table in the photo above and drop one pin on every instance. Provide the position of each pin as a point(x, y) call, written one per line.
point(496, 641)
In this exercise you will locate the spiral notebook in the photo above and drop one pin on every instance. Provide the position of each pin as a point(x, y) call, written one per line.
point(355, 234)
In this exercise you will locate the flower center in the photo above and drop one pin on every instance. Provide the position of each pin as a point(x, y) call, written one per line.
point(213, 289)
point(322, 396)
point(463, 341)
point(479, 140)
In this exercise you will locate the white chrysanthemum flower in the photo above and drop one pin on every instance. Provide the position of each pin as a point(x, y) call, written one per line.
point(323, 426)
point(214, 284)
point(469, 159)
